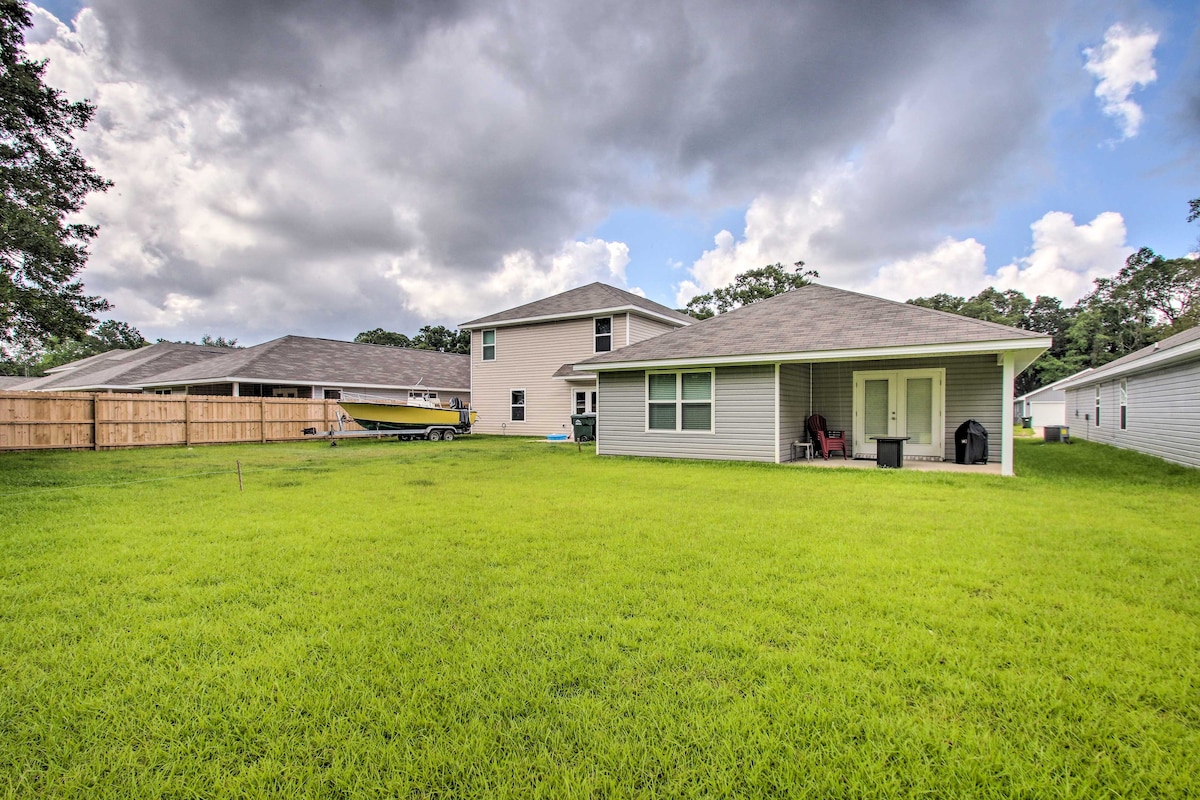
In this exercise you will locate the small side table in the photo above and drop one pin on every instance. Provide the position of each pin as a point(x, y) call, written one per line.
point(889, 451)
point(802, 447)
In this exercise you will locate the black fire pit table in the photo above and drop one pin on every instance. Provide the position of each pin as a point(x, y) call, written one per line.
point(889, 451)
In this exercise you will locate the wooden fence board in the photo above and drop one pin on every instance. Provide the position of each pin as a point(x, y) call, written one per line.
point(60, 420)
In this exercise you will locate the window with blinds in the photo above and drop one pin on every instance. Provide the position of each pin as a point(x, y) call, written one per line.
point(679, 401)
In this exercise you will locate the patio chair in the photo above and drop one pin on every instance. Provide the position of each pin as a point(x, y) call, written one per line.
point(827, 441)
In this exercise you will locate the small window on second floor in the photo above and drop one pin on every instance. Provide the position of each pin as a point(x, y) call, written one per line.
point(603, 334)
point(489, 345)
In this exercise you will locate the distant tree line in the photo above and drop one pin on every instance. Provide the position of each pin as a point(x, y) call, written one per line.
point(430, 337)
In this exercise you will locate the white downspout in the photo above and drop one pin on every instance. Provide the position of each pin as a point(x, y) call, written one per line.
point(777, 395)
point(1006, 420)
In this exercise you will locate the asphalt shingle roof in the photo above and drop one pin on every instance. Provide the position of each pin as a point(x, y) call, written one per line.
point(300, 359)
point(813, 318)
point(1126, 363)
point(122, 367)
point(593, 297)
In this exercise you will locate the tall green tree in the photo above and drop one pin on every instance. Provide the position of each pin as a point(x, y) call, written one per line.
point(750, 287)
point(430, 337)
point(43, 179)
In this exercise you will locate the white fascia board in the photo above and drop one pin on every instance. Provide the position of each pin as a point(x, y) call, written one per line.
point(302, 382)
point(1034, 346)
point(598, 312)
point(589, 377)
point(1161, 359)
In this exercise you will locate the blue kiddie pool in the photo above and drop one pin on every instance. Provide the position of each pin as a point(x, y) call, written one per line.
point(556, 437)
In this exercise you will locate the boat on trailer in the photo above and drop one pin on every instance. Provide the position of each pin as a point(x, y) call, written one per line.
point(422, 414)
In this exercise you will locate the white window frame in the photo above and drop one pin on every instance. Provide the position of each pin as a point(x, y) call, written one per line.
point(680, 402)
point(483, 345)
point(1123, 393)
point(590, 401)
point(596, 335)
point(1096, 422)
point(523, 405)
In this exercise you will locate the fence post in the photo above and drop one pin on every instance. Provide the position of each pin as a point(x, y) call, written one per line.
point(262, 419)
point(96, 421)
point(187, 420)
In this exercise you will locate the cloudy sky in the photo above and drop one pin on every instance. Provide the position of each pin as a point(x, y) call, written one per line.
point(324, 168)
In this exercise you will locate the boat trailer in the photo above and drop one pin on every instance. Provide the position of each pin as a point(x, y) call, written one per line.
point(433, 433)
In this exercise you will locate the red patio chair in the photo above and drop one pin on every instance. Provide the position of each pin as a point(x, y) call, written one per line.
point(827, 441)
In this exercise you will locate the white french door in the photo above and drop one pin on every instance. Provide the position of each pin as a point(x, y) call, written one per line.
point(585, 401)
point(903, 402)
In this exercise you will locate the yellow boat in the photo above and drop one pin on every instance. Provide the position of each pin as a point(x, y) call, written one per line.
point(419, 412)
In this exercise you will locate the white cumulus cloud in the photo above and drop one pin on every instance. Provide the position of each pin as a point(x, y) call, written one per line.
point(1123, 63)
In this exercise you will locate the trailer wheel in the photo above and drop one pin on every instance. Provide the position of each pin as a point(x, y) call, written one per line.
point(447, 436)
point(434, 436)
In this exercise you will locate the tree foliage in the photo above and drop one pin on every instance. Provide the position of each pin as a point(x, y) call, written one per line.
point(430, 337)
point(43, 179)
point(750, 287)
point(56, 351)
point(1149, 299)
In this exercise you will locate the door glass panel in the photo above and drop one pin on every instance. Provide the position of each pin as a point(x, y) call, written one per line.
point(875, 410)
point(919, 405)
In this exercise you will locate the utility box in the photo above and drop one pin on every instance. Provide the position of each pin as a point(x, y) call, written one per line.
point(1057, 433)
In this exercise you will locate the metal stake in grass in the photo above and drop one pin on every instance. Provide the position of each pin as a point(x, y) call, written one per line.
point(241, 487)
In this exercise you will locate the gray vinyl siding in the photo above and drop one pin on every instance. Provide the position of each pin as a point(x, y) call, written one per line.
point(974, 390)
point(1163, 417)
point(793, 407)
point(744, 418)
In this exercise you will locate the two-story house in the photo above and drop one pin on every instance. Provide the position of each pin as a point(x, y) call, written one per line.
point(522, 378)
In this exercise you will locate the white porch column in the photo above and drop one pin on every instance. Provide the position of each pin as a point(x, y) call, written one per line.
point(778, 396)
point(1006, 417)
point(236, 389)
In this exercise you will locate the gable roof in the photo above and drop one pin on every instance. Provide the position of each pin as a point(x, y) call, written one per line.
point(815, 322)
point(1180, 347)
point(300, 359)
point(584, 301)
point(1051, 387)
point(121, 369)
point(10, 381)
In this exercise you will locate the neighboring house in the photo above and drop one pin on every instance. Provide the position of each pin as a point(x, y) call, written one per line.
point(1044, 406)
point(303, 367)
point(120, 370)
point(1147, 401)
point(522, 379)
point(739, 386)
point(291, 366)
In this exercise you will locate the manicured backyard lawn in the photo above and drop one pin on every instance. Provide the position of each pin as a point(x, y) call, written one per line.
point(499, 617)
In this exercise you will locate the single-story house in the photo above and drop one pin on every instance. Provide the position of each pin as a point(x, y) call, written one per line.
point(291, 366)
point(119, 370)
point(740, 385)
point(1147, 401)
point(1044, 406)
point(304, 367)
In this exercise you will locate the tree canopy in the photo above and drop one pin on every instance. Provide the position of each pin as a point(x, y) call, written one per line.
point(750, 287)
point(430, 337)
point(43, 179)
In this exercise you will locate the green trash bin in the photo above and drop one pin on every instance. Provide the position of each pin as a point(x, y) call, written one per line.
point(584, 426)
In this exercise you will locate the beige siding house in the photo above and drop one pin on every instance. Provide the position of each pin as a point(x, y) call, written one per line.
point(740, 385)
point(522, 379)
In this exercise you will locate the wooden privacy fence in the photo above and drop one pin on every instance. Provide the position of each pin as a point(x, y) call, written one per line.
point(50, 420)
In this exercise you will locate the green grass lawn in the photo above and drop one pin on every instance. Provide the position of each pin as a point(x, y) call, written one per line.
point(505, 618)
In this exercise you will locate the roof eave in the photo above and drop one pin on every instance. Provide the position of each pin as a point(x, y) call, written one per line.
point(1032, 347)
point(301, 381)
point(1163, 358)
point(598, 312)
